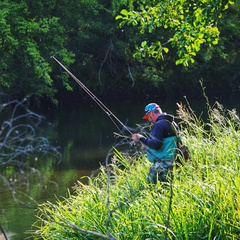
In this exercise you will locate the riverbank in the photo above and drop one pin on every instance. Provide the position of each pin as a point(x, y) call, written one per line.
point(201, 201)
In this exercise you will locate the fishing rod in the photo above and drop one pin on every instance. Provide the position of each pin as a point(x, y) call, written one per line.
point(95, 99)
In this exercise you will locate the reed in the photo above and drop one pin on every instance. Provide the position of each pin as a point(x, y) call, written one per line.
point(201, 202)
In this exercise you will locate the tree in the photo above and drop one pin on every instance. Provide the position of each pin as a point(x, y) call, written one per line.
point(28, 39)
point(190, 25)
point(219, 66)
point(85, 37)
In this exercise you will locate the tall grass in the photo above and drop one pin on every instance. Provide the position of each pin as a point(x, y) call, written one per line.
point(201, 202)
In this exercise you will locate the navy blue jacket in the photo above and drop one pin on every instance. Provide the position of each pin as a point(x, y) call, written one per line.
point(161, 129)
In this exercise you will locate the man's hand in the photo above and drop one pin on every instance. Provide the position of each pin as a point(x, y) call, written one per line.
point(136, 137)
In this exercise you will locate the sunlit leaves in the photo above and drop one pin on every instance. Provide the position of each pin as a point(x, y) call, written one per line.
point(153, 49)
point(191, 24)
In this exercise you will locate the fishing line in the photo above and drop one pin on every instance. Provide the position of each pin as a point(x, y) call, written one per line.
point(110, 114)
point(3, 232)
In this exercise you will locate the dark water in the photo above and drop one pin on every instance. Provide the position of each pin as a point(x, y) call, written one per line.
point(84, 134)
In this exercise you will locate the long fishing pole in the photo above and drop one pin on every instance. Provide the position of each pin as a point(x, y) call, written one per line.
point(96, 100)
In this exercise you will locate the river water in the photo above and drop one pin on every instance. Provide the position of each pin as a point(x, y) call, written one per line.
point(84, 135)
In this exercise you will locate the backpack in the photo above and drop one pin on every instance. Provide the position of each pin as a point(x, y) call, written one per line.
point(182, 151)
point(182, 154)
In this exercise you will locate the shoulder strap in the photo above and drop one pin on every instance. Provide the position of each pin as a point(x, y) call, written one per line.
point(173, 126)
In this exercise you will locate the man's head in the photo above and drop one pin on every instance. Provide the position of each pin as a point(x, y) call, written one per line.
point(152, 111)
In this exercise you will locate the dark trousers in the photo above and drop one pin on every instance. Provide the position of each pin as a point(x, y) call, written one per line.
point(159, 171)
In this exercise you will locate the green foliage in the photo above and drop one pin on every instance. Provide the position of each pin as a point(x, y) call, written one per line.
point(118, 204)
point(85, 37)
point(27, 42)
point(190, 24)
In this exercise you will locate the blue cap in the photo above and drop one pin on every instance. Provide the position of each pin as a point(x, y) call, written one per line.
point(151, 107)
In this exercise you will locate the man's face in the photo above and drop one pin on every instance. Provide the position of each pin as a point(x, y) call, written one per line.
point(151, 117)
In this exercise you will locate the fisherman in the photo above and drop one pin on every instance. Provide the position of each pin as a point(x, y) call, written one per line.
point(162, 144)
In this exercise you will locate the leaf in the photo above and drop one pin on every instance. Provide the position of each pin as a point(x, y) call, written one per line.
point(118, 17)
point(166, 50)
point(179, 61)
point(124, 12)
point(143, 44)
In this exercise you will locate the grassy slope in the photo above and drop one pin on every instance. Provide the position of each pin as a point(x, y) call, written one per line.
point(203, 201)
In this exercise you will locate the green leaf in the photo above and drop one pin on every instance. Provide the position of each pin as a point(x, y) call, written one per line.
point(124, 12)
point(143, 44)
point(118, 17)
point(166, 50)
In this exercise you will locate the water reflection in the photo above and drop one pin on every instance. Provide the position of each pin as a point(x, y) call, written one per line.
point(18, 218)
point(31, 173)
point(26, 162)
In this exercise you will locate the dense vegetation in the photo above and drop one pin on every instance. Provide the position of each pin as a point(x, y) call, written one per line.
point(87, 38)
point(201, 201)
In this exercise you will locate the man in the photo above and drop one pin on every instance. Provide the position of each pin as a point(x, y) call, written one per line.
point(162, 144)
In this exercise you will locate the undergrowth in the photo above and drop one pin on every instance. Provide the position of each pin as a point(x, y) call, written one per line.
point(202, 201)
